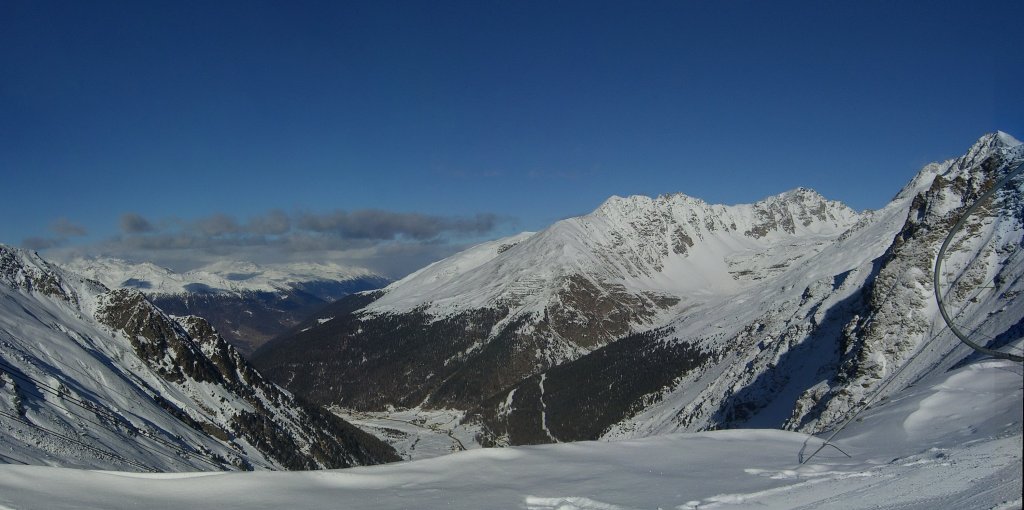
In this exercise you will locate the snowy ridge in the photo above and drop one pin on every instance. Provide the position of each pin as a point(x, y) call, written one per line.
point(224, 277)
point(645, 245)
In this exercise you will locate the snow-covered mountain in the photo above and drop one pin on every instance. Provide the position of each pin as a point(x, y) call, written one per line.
point(98, 378)
point(668, 247)
point(248, 303)
point(515, 307)
point(670, 314)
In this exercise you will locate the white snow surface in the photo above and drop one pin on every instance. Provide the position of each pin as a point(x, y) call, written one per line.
point(951, 441)
point(220, 277)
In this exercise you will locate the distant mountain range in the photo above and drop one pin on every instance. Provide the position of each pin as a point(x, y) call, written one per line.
point(99, 378)
point(247, 303)
point(653, 315)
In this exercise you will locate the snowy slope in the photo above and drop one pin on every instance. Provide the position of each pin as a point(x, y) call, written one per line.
point(103, 379)
point(952, 441)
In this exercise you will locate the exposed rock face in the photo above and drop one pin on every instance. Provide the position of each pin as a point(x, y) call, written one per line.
point(30, 273)
point(158, 340)
point(900, 317)
point(122, 367)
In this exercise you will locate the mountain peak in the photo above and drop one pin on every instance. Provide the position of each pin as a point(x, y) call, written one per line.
point(632, 203)
point(998, 141)
point(801, 192)
point(998, 144)
point(26, 270)
point(672, 245)
point(1005, 139)
point(797, 195)
point(1001, 145)
point(16, 256)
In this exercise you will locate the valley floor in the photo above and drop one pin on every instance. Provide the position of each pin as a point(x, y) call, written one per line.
point(416, 433)
point(951, 441)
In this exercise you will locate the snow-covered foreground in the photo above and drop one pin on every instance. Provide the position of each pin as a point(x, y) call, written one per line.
point(951, 441)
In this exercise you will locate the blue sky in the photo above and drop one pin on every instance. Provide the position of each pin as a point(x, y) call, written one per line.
point(389, 134)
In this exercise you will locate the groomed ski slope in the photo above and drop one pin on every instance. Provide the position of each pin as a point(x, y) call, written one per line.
point(952, 440)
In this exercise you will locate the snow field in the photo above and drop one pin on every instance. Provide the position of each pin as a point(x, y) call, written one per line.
point(968, 457)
